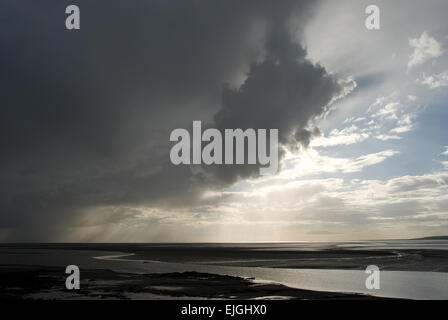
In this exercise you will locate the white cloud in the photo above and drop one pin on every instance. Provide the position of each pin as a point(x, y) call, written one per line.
point(312, 163)
point(445, 153)
point(436, 80)
point(425, 48)
point(402, 129)
point(394, 117)
point(385, 137)
point(417, 183)
point(406, 119)
point(353, 119)
point(343, 206)
point(389, 111)
point(346, 136)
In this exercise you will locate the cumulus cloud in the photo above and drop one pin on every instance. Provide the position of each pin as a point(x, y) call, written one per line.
point(425, 48)
point(347, 136)
point(446, 151)
point(435, 81)
point(389, 111)
point(414, 183)
point(312, 162)
point(385, 137)
point(391, 118)
point(401, 129)
point(284, 91)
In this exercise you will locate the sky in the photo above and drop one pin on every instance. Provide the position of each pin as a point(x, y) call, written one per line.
point(87, 115)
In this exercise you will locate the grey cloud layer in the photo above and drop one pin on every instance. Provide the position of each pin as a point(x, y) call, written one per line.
point(86, 115)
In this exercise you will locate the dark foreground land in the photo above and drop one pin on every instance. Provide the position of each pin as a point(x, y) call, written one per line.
point(34, 282)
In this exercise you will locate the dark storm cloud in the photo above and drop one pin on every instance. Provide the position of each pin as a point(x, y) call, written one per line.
point(86, 115)
point(285, 92)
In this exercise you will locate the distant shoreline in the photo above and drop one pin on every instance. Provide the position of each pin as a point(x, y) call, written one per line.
point(432, 238)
